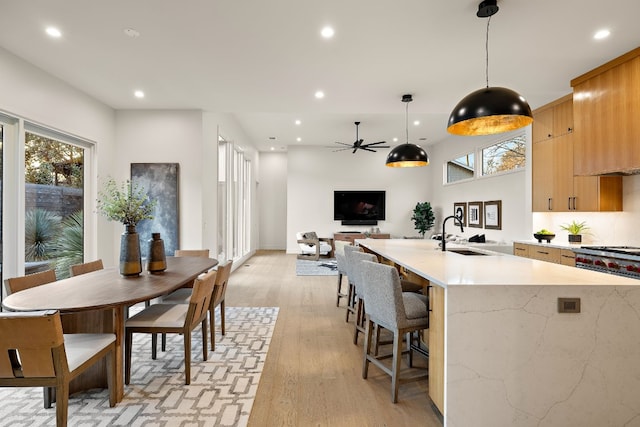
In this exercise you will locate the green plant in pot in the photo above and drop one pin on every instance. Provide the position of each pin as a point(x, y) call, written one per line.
point(127, 204)
point(575, 229)
point(423, 217)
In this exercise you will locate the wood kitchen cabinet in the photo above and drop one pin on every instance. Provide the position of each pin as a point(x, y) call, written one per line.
point(606, 109)
point(545, 253)
point(436, 346)
point(555, 188)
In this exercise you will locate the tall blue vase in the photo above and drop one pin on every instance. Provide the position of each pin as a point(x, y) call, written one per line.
point(130, 258)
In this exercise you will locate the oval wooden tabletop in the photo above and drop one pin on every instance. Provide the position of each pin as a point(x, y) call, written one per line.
point(108, 288)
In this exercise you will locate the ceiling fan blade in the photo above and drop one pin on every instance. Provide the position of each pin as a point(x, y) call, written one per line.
point(376, 143)
point(368, 149)
point(342, 143)
point(341, 149)
point(355, 149)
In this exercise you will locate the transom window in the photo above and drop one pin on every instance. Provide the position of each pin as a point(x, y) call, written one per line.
point(499, 157)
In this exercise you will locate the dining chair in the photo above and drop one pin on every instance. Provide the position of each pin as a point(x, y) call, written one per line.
point(87, 267)
point(402, 313)
point(173, 318)
point(351, 291)
point(355, 259)
point(17, 284)
point(34, 352)
point(184, 292)
point(218, 299)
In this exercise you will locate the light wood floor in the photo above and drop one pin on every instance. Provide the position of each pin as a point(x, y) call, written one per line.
point(313, 372)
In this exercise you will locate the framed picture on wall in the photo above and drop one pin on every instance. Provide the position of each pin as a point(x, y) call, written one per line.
point(493, 215)
point(160, 181)
point(460, 210)
point(475, 214)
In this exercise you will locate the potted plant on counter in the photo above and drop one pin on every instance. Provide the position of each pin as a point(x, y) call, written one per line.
point(575, 230)
point(127, 204)
point(423, 217)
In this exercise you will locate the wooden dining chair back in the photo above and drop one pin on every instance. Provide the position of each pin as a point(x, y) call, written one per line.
point(219, 292)
point(17, 284)
point(87, 267)
point(173, 319)
point(34, 352)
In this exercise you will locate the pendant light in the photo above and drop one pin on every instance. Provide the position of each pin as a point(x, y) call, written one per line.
point(407, 155)
point(489, 110)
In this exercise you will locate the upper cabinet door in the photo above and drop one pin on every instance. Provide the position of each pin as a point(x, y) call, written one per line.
point(606, 106)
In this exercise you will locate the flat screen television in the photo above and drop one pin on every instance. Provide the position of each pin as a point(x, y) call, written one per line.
point(359, 207)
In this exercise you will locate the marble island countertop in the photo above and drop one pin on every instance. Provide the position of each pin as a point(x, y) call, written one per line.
point(425, 258)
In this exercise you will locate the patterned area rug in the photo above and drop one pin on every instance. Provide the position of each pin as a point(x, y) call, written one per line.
point(323, 267)
point(221, 393)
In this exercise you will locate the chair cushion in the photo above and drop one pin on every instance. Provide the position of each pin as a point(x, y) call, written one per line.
point(82, 347)
point(325, 248)
point(408, 286)
point(160, 316)
point(310, 235)
point(415, 305)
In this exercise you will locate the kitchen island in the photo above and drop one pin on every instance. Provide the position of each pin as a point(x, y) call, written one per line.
point(508, 356)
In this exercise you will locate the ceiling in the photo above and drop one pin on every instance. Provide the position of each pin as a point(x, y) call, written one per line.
point(262, 61)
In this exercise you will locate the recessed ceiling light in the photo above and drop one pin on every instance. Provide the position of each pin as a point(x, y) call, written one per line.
point(131, 32)
point(395, 139)
point(53, 32)
point(601, 34)
point(416, 122)
point(327, 32)
point(273, 148)
point(138, 94)
point(319, 94)
point(298, 139)
point(298, 122)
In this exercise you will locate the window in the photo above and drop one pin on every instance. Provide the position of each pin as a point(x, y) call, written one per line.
point(54, 204)
point(504, 156)
point(234, 202)
point(461, 168)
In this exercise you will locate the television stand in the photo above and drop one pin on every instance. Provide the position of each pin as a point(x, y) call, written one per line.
point(349, 236)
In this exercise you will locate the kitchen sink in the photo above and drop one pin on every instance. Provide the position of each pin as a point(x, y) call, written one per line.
point(465, 252)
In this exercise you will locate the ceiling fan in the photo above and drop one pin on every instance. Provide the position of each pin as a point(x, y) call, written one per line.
point(358, 144)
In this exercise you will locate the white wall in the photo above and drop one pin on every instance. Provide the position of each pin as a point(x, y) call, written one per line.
point(36, 96)
point(272, 198)
point(315, 172)
point(160, 136)
point(513, 189)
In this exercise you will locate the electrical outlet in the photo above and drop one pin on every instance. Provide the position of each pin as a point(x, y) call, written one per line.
point(568, 305)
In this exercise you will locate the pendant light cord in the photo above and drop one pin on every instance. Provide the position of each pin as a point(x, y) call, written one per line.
point(486, 49)
point(406, 125)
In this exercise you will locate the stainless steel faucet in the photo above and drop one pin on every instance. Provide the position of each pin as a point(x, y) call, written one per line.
point(444, 235)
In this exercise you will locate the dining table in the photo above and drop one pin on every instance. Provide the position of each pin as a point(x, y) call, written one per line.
point(97, 302)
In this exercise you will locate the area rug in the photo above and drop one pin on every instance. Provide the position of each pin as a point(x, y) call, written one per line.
point(221, 393)
point(322, 267)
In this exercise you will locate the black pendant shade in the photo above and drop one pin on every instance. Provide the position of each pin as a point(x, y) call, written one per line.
point(407, 156)
point(489, 111)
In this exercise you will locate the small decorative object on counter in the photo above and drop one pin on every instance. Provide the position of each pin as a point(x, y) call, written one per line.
point(575, 230)
point(157, 257)
point(544, 234)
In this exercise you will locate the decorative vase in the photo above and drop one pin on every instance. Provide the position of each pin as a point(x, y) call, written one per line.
point(575, 238)
point(157, 258)
point(130, 259)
